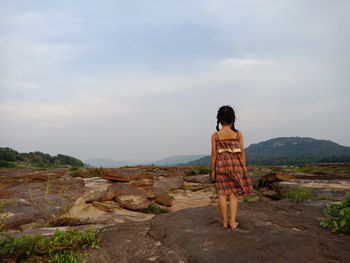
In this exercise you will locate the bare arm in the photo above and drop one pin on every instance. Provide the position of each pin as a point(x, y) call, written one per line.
point(242, 147)
point(213, 154)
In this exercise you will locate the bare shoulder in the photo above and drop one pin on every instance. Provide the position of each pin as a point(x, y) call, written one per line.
point(239, 134)
point(213, 136)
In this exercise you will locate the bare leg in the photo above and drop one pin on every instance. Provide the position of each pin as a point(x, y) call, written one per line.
point(223, 209)
point(233, 211)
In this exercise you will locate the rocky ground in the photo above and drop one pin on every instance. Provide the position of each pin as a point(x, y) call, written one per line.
point(274, 231)
point(271, 227)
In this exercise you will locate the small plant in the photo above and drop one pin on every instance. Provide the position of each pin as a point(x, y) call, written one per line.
point(304, 169)
point(337, 216)
point(191, 172)
point(153, 208)
point(67, 221)
point(246, 198)
point(198, 171)
point(300, 194)
point(60, 247)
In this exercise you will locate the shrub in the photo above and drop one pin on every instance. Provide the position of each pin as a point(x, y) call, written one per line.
point(337, 216)
point(4, 163)
point(300, 194)
point(67, 221)
point(60, 247)
point(200, 170)
point(153, 208)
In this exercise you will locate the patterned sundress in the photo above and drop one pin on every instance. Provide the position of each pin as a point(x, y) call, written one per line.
point(230, 172)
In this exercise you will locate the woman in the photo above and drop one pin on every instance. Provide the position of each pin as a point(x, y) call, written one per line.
point(228, 165)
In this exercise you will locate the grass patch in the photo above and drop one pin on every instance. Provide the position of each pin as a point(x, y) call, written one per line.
point(337, 216)
point(153, 208)
point(67, 221)
point(304, 169)
point(299, 194)
point(60, 247)
point(247, 198)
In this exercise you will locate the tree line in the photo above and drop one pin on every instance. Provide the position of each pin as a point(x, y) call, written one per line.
point(8, 155)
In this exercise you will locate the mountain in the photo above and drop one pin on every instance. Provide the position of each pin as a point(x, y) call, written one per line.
point(296, 150)
point(177, 159)
point(290, 151)
point(107, 163)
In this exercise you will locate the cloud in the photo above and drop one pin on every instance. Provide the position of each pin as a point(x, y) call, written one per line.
point(144, 81)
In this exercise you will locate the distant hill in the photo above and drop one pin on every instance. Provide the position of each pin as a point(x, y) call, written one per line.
point(169, 161)
point(107, 163)
point(177, 159)
point(290, 151)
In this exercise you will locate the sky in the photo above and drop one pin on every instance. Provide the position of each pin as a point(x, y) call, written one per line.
point(143, 80)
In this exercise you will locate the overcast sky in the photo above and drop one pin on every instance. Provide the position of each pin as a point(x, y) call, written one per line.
point(143, 80)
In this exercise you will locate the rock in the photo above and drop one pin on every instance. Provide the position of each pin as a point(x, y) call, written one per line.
point(333, 189)
point(120, 174)
point(129, 196)
point(265, 230)
point(101, 196)
point(126, 195)
point(270, 193)
point(9, 178)
point(103, 207)
point(94, 184)
point(169, 183)
point(162, 197)
point(21, 212)
point(98, 214)
point(204, 179)
point(142, 180)
point(148, 191)
point(51, 197)
point(133, 202)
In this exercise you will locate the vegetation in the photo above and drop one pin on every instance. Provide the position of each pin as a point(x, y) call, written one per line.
point(300, 194)
point(153, 208)
point(12, 158)
point(67, 221)
point(198, 171)
point(337, 216)
point(60, 247)
point(87, 172)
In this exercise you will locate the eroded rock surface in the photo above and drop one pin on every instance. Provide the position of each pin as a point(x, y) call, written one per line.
point(332, 189)
point(278, 231)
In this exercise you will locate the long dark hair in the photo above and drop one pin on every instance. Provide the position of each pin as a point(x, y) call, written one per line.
point(226, 115)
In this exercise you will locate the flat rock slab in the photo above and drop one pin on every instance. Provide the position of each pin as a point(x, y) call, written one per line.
point(203, 179)
point(278, 231)
point(333, 189)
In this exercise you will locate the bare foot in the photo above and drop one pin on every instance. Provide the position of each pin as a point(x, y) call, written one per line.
point(233, 225)
point(225, 224)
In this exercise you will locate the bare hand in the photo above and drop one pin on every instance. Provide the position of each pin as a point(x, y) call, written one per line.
point(213, 176)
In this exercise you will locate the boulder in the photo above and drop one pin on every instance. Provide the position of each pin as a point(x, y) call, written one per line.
point(121, 174)
point(162, 197)
point(128, 196)
point(21, 212)
point(169, 183)
point(142, 180)
point(271, 232)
